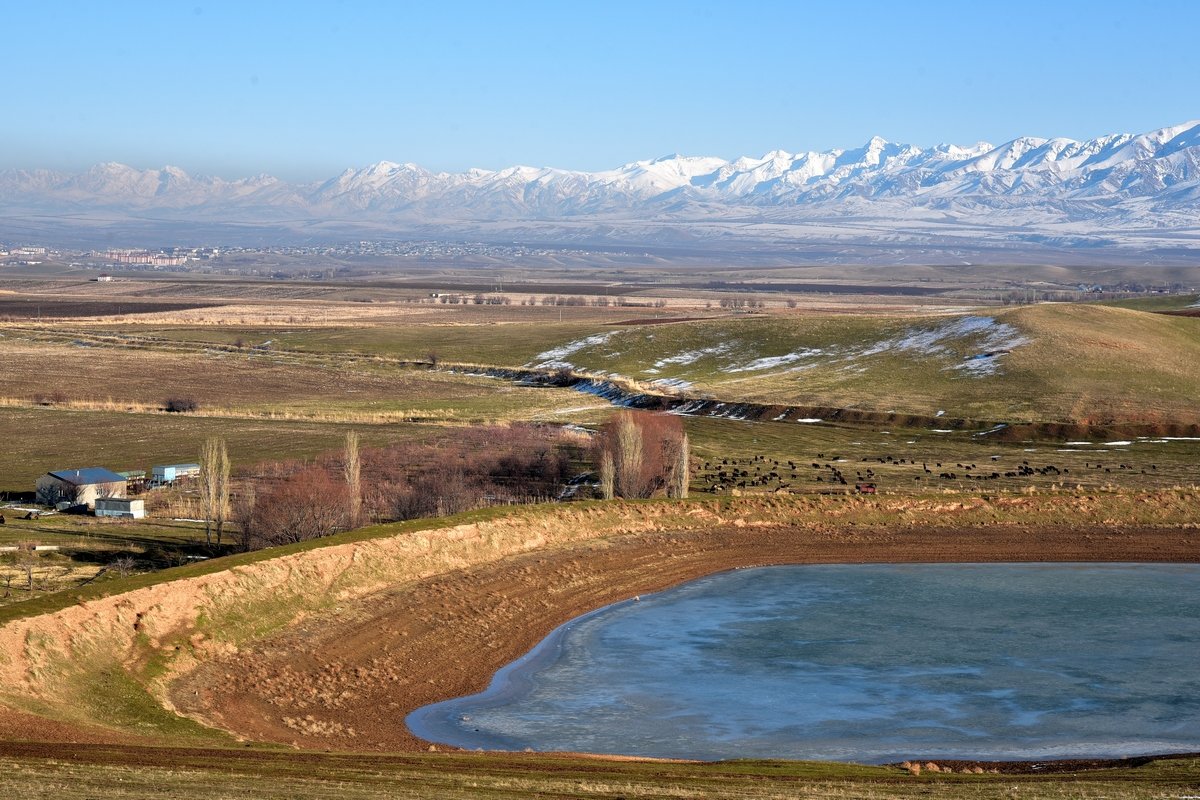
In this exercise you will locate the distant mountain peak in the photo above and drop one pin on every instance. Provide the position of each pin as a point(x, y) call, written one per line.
point(1150, 179)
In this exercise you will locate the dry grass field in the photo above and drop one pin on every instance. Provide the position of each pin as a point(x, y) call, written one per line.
point(1050, 362)
point(85, 375)
point(291, 390)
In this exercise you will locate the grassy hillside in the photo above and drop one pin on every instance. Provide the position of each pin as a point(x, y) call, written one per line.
point(1093, 363)
point(1173, 302)
point(1037, 363)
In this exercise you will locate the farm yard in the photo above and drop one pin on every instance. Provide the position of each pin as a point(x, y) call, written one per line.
point(75, 551)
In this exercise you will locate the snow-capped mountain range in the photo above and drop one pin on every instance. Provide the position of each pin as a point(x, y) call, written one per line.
point(1120, 181)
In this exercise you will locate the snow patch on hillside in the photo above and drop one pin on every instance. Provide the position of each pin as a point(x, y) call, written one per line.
point(690, 356)
point(771, 362)
point(555, 358)
point(972, 346)
point(987, 339)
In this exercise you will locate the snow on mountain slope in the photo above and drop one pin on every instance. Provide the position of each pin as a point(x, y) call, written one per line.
point(1151, 179)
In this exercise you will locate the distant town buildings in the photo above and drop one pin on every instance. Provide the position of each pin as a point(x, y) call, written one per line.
point(159, 259)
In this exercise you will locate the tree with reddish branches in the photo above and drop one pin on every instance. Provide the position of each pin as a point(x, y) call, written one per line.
point(643, 454)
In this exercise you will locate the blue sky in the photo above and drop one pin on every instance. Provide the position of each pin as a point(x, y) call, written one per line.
point(303, 90)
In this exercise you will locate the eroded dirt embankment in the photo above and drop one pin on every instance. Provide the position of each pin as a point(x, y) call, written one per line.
point(51, 663)
point(332, 647)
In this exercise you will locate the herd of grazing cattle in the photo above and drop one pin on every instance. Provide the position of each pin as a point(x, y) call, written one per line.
point(833, 474)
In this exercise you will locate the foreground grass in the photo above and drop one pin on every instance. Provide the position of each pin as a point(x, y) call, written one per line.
point(115, 773)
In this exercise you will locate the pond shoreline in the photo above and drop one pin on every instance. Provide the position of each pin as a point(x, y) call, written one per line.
point(626, 665)
point(358, 676)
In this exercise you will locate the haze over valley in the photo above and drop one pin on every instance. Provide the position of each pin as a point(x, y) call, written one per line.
point(1122, 198)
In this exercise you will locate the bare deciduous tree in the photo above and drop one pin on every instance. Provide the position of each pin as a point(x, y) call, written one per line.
point(606, 475)
point(180, 405)
point(677, 482)
point(648, 454)
point(352, 468)
point(628, 456)
point(214, 488)
point(473, 467)
point(243, 516)
point(307, 505)
point(27, 561)
point(51, 494)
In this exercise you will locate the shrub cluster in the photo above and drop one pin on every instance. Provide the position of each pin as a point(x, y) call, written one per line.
point(178, 405)
point(462, 469)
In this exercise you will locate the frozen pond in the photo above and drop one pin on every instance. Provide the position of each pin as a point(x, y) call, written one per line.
point(866, 663)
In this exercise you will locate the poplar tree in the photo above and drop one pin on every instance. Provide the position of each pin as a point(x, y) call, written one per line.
point(630, 456)
point(680, 470)
point(214, 488)
point(606, 475)
point(352, 468)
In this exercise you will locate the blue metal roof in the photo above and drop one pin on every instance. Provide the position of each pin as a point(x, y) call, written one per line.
point(86, 475)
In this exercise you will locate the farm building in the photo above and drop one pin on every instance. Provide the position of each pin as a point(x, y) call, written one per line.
point(135, 479)
point(169, 473)
point(120, 507)
point(77, 487)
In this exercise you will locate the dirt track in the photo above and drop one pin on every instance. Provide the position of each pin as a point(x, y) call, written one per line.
point(347, 680)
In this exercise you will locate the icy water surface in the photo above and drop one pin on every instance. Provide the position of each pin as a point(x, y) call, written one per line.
point(862, 662)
